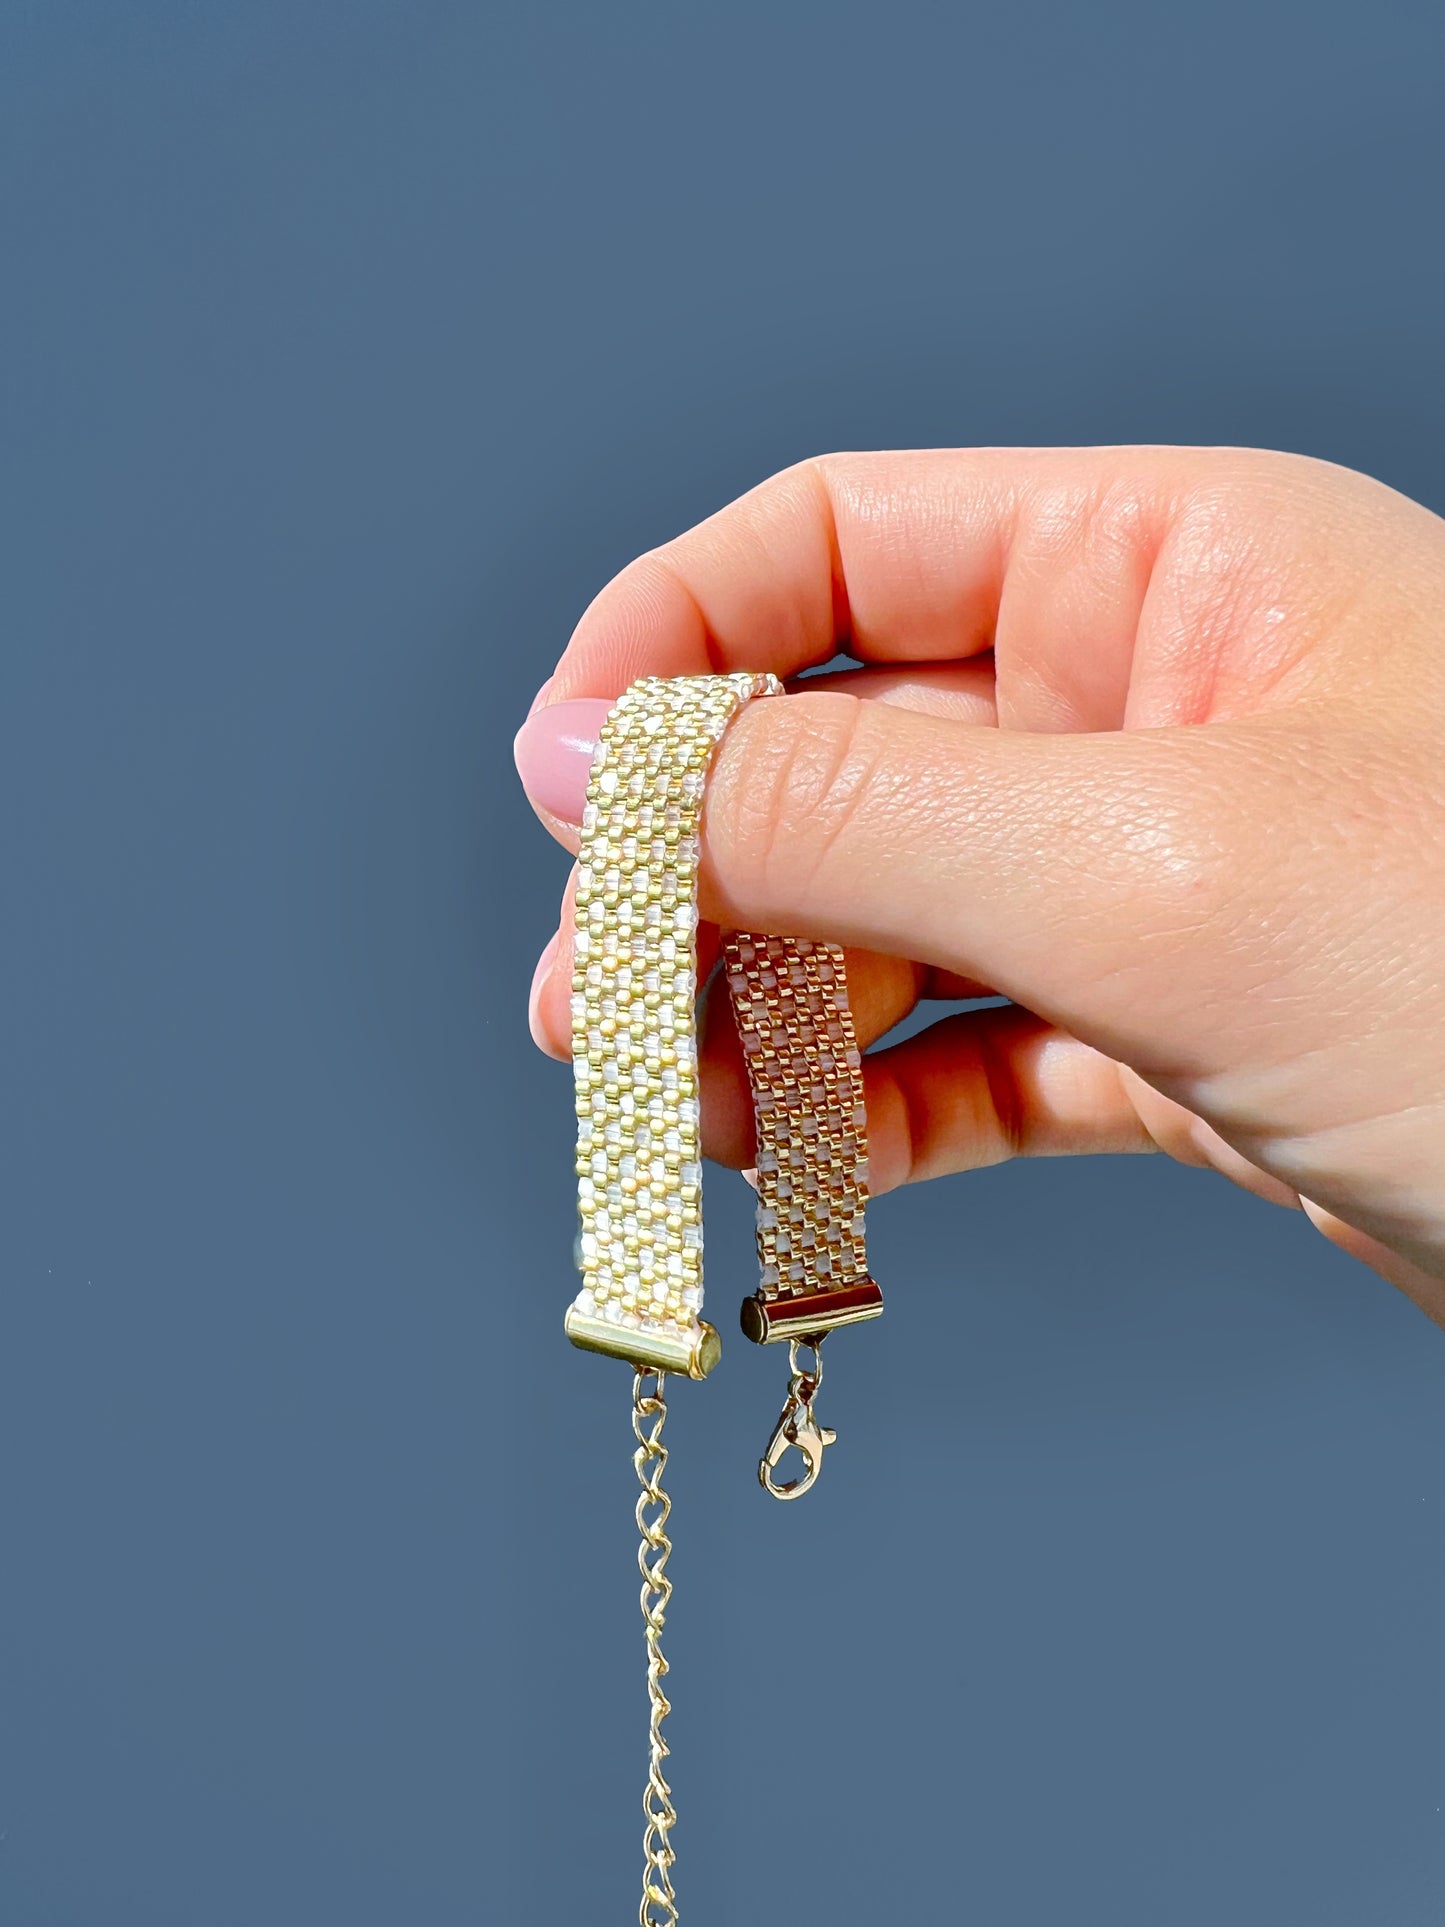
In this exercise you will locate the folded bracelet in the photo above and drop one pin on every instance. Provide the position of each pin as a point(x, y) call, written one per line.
point(639, 1159)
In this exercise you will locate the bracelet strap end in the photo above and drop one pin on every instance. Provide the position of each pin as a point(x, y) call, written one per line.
point(772, 1320)
point(691, 1352)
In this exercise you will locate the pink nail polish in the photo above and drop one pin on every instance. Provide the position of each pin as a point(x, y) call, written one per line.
point(554, 751)
point(539, 977)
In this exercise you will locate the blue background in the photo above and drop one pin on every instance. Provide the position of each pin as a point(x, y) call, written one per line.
point(347, 349)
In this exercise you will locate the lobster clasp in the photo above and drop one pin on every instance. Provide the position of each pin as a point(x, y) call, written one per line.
point(796, 1427)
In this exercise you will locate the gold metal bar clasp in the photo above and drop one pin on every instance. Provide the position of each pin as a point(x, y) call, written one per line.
point(770, 1318)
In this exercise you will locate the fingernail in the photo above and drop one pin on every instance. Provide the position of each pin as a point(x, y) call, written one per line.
point(554, 751)
point(534, 997)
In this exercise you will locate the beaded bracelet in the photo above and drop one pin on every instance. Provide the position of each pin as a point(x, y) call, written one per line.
point(639, 1169)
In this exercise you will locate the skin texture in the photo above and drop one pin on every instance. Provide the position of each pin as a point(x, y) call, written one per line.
point(1147, 740)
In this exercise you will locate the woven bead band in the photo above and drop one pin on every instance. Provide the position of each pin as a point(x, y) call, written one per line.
point(790, 1004)
point(634, 1045)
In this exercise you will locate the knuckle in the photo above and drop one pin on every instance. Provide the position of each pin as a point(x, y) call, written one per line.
point(791, 780)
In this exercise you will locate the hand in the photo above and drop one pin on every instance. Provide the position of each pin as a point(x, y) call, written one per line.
point(1149, 741)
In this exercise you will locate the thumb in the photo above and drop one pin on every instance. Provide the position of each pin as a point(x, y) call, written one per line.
point(1098, 879)
point(1113, 882)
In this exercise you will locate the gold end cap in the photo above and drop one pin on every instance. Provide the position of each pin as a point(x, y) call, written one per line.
point(771, 1320)
point(690, 1353)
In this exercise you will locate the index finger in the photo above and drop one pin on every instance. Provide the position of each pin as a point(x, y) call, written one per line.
point(897, 556)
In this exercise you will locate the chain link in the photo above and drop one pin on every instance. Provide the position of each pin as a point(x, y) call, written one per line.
point(649, 1412)
point(804, 1382)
